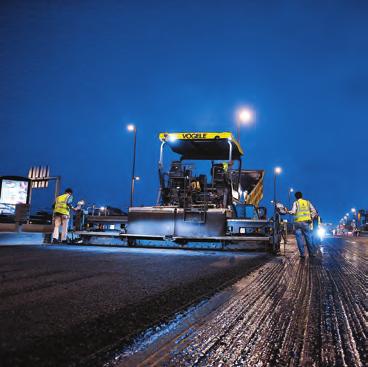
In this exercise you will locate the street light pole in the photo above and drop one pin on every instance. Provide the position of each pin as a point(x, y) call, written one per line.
point(244, 115)
point(276, 223)
point(290, 191)
point(355, 221)
point(134, 130)
point(276, 172)
point(353, 210)
point(289, 202)
point(274, 190)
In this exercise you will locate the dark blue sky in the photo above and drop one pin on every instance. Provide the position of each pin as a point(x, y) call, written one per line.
point(73, 74)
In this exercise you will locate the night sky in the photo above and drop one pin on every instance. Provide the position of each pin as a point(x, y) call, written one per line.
point(74, 74)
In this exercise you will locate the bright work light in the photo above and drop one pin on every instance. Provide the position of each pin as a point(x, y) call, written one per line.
point(321, 232)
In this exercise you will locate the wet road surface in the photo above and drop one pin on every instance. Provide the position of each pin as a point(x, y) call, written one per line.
point(289, 312)
point(76, 306)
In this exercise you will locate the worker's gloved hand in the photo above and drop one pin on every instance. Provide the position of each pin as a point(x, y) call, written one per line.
point(281, 208)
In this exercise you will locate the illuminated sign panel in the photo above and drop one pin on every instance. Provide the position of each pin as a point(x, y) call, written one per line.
point(12, 192)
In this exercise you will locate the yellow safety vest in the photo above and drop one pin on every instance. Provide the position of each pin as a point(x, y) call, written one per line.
point(61, 204)
point(303, 211)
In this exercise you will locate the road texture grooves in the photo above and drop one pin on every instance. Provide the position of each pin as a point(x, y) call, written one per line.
point(292, 313)
point(72, 306)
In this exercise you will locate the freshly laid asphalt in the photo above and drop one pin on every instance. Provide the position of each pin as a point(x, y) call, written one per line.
point(77, 306)
point(289, 312)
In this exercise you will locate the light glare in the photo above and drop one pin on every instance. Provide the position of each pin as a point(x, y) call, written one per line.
point(321, 232)
point(245, 115)
point(172, 138)
point(278, 170)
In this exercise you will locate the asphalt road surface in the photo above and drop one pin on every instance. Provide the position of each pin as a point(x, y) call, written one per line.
point(78, 306)
point(289, 312)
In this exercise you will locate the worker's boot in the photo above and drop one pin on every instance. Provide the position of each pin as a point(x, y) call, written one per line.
point(55, 241)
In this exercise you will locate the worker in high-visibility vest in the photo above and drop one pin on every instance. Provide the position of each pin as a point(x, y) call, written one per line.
point(62, 207)
point(303, 212)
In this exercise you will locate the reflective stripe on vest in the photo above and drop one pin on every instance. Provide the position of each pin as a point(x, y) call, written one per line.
point(61, 204)
point(303, 212)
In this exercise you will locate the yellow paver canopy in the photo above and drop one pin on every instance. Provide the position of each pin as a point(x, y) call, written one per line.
point(203, 146)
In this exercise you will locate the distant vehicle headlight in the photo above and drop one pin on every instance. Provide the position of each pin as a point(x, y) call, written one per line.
point(321, 232)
